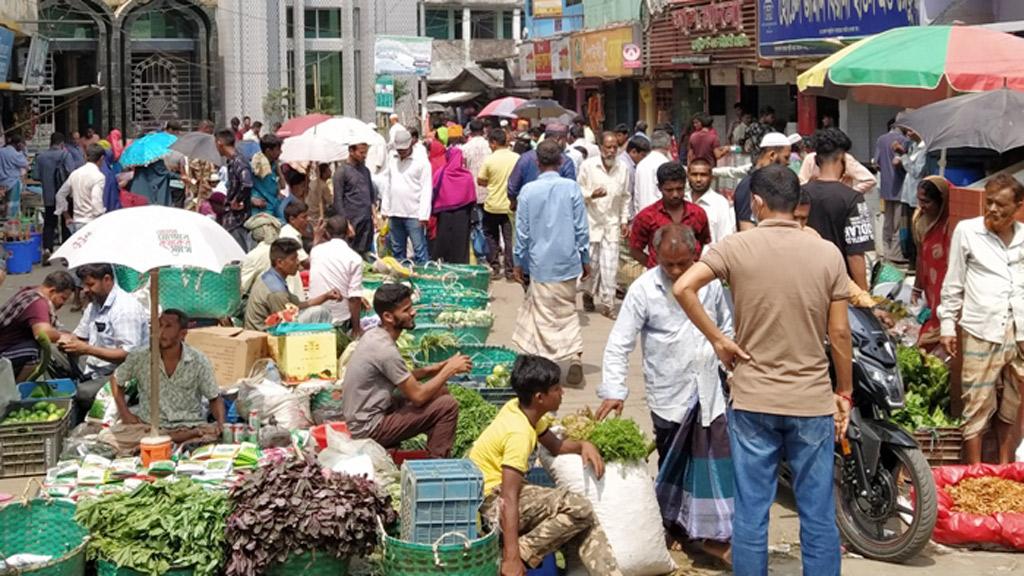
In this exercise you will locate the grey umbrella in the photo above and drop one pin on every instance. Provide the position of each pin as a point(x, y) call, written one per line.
point(198, 146)
point(537, 109)
point(991, 120)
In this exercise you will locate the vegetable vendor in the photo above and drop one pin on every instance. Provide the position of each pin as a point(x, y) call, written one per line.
point(270, 293)
point(370, 405)
point(684, 393)
point(29, 314)
point(537, 521)
point(186, 379)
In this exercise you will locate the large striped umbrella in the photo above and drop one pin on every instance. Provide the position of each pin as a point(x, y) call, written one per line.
point(502, 107)
point(917, 65)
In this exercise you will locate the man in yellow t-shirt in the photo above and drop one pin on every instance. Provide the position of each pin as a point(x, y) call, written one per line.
point(494, 174)
point(537, 521)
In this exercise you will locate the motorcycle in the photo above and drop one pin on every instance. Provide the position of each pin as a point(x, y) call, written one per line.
point(886, 501)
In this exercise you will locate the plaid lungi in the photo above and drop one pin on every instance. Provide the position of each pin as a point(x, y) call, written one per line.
point(602, 282)
point(695, 482)
point(548, 324)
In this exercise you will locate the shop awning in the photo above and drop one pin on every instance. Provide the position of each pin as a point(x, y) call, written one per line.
point(12, 87)
point(451, 97)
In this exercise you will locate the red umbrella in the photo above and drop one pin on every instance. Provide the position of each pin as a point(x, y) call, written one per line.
point(299, 124)
point(502, 107)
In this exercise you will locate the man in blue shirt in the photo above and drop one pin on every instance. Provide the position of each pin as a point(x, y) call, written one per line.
point(266, 189)
point(53, 166)
point(13, 164)
point(527, 168)
point(555, 255)
point(891, 176)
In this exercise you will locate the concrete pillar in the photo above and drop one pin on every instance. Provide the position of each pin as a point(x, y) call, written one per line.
point(299, 43)
point(467, 28)
point(517, 24)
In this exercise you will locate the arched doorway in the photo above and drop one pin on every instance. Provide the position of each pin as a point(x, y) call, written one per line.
point(166, 63)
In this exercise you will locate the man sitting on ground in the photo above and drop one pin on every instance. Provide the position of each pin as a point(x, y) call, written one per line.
point(537, 521)
point(270, 293)
point(27, 316)
point(370, 406)
point(186, 379)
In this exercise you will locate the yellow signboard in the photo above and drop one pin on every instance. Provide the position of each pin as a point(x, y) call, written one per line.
point(547, 8)
point(598, 53)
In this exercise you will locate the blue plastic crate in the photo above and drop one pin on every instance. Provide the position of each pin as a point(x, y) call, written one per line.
point(64, 387)
point(547, 568)
point(440, 496)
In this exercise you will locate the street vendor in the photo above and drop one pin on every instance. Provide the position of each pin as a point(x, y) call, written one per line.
point(537, 521)
point(684, 393)
point(27, 316)
point(270, 293)
point(377, 371)
point(186, 379)
point(113, 325)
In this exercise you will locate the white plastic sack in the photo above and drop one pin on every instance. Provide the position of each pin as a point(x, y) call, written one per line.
point(341, 447)
point(627, 508)
point(288, 406)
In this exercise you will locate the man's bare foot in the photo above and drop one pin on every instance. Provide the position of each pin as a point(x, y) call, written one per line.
point(721, 551)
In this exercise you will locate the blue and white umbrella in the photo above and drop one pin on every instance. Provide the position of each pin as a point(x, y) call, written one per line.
point(147, 149)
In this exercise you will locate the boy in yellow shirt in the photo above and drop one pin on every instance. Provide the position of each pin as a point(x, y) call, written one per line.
point(537, 521)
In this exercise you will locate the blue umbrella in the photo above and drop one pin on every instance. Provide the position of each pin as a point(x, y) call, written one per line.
point(147, 149)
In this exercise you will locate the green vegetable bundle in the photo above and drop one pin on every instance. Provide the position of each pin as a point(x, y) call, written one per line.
point(926, 381)
point(579, 426)
point(158, 526)
point(620, 440)
point(466, 318)
point(475, 414)
point(291, 506)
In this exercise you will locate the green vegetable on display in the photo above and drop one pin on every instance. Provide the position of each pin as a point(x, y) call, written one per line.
point(579, 426)
point(620, 440)
point(38, 413)
point(500, 377)
point(926, 381)
point(436, 341)
point(158, 526)
point(466, 318)
point(475, 414)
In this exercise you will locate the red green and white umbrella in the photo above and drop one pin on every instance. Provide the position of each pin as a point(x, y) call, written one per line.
point(917, 65)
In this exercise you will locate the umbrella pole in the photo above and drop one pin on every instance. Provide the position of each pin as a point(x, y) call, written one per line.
point(942, 163)
point(154, 352)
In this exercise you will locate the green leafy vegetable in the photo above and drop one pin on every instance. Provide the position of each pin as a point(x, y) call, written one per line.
point(579, 426)
point(926, 380)
point(435, 341)
point(158, 526)
point(620, 440)
point(466, 318)
point(475, 414)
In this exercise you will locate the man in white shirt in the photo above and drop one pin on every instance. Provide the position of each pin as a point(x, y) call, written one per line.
point(646, 191)
point(681, 383)
point(984, 290)
point(721, 218)
point(406, 193)
point(85, 185)
point(475, 151)
point(253, 134)
point(604, 182)
point(336, 266)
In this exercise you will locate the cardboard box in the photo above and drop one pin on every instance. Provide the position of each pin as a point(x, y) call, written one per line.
point(232, 351)
point(304, 354)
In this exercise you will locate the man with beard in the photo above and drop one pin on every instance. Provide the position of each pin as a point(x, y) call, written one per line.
point(355, 196)
point(604, 182)
point(384, 400)
point(112, 325)
point(721, 218)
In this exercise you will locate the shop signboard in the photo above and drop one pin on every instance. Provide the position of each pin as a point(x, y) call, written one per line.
point(527, 62)
point(35, 64)
point(542, 59)
point(402, 55)
point(704, 32)
point(561, 63)
point(631, 56)
point(792, 28)
point(598, 53)
point(6, 49)
point(547, 8)
point(384, 87)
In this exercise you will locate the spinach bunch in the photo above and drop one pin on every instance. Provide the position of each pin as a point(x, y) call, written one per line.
point(926, 381)
point(620, 440)
point(294, 506)
point(475, 414)
point(158, 526)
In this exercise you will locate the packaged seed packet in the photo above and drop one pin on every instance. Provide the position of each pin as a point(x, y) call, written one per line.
point(161, 468)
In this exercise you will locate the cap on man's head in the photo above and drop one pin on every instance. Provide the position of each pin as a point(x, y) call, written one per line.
point(774, 140)
point(556, 129)
point(795, 138)
point(403, 140)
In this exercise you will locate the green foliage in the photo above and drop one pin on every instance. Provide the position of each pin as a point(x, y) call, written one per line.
point(620, 440)
point(926, 381)
point(475, 414)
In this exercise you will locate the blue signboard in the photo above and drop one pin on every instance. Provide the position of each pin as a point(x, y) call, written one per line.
point(792, 28)
point(6, 48)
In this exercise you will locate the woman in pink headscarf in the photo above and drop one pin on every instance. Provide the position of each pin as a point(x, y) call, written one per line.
point(116, 143)
point(454, 199)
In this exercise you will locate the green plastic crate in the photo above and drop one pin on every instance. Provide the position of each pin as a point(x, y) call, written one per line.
point(470, 334)
point(484, 356)
point(44, 527)
point(196, 292)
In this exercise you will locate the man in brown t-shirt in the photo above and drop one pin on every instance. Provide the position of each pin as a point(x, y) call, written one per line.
point(789, 288)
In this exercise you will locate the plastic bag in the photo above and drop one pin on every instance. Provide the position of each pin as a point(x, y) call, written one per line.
point(1020, 452)
point(623, 499)
point(261, 392)
point(340, 447)
point(974, 530)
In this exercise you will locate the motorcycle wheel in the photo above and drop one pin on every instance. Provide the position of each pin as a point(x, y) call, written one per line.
point(896, 520)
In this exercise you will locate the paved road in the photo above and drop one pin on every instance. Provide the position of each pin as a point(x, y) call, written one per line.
point(784, 536)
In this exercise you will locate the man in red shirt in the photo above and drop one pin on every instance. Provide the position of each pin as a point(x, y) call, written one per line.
point(703, 141)
point(29, 314)
point(672, 209)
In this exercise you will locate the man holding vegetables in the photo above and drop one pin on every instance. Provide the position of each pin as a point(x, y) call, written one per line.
point(781, 393)
point(371, 406)
point(537, 521)
point(684, 393)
